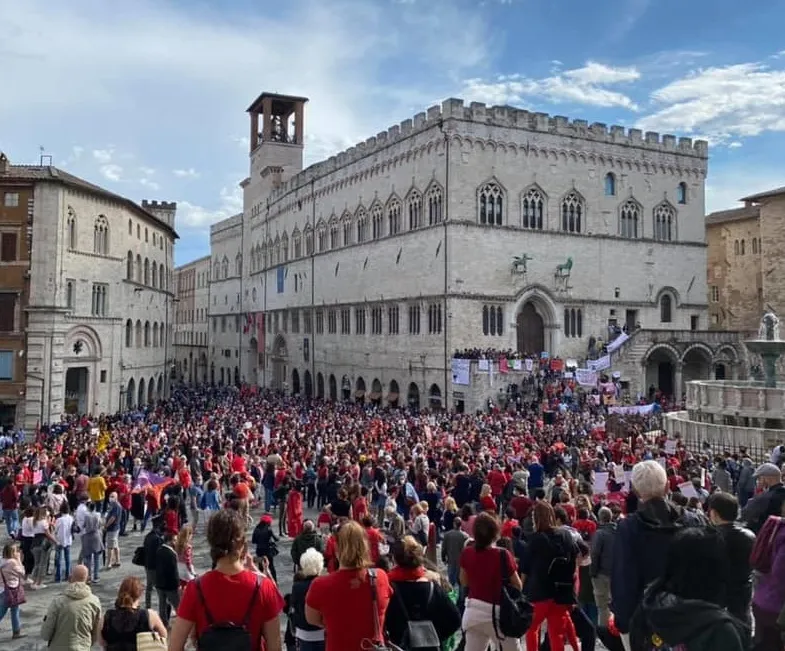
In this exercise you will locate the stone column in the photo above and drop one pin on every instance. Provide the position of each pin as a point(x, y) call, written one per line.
point(254, 130)
point(267, 118)
point(678, 383)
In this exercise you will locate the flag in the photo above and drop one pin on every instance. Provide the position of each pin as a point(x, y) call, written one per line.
point(503, 368)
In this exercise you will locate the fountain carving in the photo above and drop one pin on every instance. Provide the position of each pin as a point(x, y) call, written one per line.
point(769, 346)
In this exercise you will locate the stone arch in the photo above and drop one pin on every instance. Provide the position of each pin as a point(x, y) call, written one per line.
point(333, 386)
point(706, 350)
point(151, 391)
point(142, 394)
point(130, 394)
point(535, 321)
point(295, 382)
point(393, 394)
point(320, 385)
point(697, 362)
point(661, 363)
point(359, 389)
point(376, 391)
point(668, 289)
point(726, 353)
point(308, 381)
point(435, 397)
point(82, 342)
point(413, 396)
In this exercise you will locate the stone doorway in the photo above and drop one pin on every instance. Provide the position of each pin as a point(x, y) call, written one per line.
point(531, 330)
point(76, 390)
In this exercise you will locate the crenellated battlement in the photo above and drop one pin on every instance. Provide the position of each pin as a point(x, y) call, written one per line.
point(499, 116)
point(159, 205)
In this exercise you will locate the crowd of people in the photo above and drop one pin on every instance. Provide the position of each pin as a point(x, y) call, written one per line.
point(407, 528)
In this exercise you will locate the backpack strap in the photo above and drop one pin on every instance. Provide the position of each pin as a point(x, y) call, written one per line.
point(208, 616)
point(374, 605)
point(254, 597)
point(495, 608)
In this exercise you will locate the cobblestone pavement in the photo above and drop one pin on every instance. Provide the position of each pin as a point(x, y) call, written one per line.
point(32, 613)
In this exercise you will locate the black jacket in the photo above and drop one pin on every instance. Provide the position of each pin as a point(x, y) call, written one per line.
point(304, 542)
point(418, 601)
point(739, 542)
point(760, 507)
point(698, 625)
point(152, 541)
point(297, 604)
point(639, 551)
point(167, 576)
point(546, 579)
point(264, 539)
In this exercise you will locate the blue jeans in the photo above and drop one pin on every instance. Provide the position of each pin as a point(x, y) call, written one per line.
point(11, 518)
point(16, 623)
point(95, 561)
point(269, 500)
point(60, 554)
point(452, 575)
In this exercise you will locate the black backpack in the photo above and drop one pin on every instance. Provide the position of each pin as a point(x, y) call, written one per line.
point(513, 617)
point(420, 634)
point(221, 636)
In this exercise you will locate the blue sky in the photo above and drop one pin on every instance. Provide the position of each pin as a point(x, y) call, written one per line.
point(148, 98)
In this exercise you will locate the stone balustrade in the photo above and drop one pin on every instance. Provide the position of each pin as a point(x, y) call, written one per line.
point(736, 399)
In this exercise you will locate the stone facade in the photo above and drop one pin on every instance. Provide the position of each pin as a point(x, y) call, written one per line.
point(98, 316)
point(372, 267)
point(192, 297)
point(734, 269)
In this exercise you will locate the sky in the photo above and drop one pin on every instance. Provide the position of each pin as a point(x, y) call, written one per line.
point(148, 98)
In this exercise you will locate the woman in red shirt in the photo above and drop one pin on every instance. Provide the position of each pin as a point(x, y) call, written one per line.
point(481, 573)
point(227, 592)
point(342, 602)
point(487, 502)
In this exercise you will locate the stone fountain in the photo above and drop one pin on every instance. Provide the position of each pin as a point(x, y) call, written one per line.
point(769, 346)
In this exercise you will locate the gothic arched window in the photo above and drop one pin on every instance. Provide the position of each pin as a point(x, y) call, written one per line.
point(71, 229)
point(666, 308)
point(377, 221)
point(629, 216)
point(610, 185)
point(414, 208)
point(664, 223)
point(394, 217)
point(533, 209)
point(434, 203)
point(490, 204)
point(572, 213)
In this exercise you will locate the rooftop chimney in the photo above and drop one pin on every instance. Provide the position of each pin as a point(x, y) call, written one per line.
point(4, 163)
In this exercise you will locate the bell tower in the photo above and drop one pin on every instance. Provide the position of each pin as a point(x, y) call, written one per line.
point(277, 132)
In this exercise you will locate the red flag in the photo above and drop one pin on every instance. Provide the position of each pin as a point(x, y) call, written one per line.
point(503, 368)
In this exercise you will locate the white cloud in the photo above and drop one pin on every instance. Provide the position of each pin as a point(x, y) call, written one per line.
point(721, 103)
point(193, 216)
point(103, 155)
point(190, 173)
point(725, 187)
point(111, 172)
point(151, 185)
point(586, 85)
point(147, 171)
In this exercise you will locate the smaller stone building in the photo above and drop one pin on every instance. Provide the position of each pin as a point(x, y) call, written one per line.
point(192, 301)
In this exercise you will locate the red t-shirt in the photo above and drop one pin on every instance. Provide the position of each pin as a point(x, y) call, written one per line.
point(238, 464)
point(507, 527)
point(484, 572)
point(497, 481)
point(375, 538)
point(488, 504)
point(344, 600)
point(359, 509)
point(228, 597)
point(521, 505)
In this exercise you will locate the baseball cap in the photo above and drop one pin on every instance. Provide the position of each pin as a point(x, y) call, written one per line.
point(767, 470)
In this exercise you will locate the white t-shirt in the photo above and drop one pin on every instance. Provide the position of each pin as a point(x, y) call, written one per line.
point(63, 526)
point(27, 528)
point(40, 527)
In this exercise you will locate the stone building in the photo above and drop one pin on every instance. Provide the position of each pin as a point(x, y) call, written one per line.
point(192, 301)
point(93, 314)
point(466, 226)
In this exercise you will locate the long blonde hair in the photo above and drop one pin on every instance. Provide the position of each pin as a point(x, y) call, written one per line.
point(184, 537)
point(352, 546)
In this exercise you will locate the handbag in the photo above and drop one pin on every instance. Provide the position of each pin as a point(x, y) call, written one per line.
point(13, 596)
point(377, 643)
point(419, 633)
point(514, 614)
point(150, 641)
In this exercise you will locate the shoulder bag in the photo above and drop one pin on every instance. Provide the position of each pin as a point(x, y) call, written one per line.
point(13, 596)
point(514, 614)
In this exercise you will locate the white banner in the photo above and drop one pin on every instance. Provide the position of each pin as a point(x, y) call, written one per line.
point(599, 364)
point(586, 377)
point(628, 410)
point(517, 365)
point(460, 371)
point(483, 364)
point(266, 435)
point(618, 342)
point(529, 364)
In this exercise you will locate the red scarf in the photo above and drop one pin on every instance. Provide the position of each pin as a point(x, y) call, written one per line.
point(406, 573)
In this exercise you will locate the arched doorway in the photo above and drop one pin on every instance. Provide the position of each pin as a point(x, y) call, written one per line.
point(203, 367)
point(346, 388)
point(719, 371)
point(76, 390)
point(160, 387)
point(142, 398)
point(295, 382)
point(413, 396)
point(393, 394)
point(333, 388)
point(212, 374)
point(191, 370)
point(435, 397)
point(237, 376)
point(253, 360)
point(531, 330)
point(308, 384)
point(151, 391)
point(376, 392)
point(696, 365)
point(223, 376)
point(320, 385)
point(661, 363)
point(359, 390)
point(279, 357)
point(130, 394)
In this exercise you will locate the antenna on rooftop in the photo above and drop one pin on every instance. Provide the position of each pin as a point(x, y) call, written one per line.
point(45, 159)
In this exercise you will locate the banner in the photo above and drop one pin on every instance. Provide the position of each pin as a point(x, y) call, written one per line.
point(599, 364)
point(460, 371)
point(483, 365)
point(266, 435)
point(586, 377)
point(503, 368)
point(147, 478)
point(629, 410)
point(618, 342)
point(517, 365)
